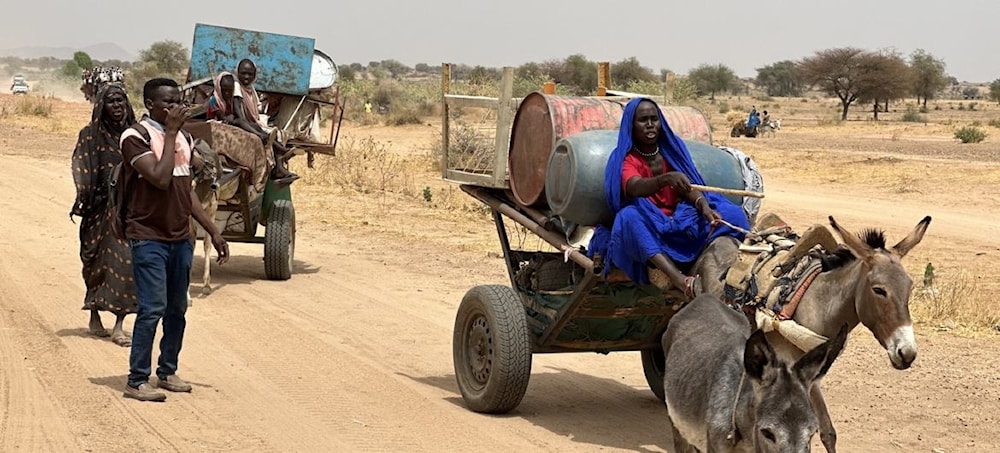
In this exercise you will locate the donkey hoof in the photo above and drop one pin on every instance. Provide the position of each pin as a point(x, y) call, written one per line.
point(206, 290)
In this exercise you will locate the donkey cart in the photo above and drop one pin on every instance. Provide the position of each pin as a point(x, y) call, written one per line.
point(295, 81)
point(559, 299)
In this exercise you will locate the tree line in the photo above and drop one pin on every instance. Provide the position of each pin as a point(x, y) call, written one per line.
point(853, 75)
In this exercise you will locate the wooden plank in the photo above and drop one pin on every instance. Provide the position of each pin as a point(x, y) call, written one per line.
point(603, 77)
point(504, 119)
point(464, 177)
point(620, 345)
point(624, 312)
point(476, 102)
point(445, 88)
point(568, 311)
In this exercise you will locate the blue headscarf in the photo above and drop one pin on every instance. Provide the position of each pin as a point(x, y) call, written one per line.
point(672, 148)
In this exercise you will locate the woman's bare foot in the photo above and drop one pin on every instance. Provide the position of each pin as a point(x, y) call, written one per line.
point(96, 327)
point(121, 339)
point(118, 335)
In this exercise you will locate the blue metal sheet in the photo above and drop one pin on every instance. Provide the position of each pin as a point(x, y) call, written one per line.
point(284, 63)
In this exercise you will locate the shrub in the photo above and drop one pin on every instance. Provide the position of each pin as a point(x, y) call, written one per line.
point(911, 116)
point(33, 106)
point(970, 134)
point(403, 117)
point(995, 122)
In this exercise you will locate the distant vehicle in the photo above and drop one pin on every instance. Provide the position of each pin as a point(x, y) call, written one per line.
point(19, 86)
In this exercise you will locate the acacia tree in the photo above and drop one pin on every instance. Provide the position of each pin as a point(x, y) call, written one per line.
point(780, 79)
point(711, 79)
point(629, 71)
point(883, 77)
point(837, 72)
point(995, 91)
point(929, 76)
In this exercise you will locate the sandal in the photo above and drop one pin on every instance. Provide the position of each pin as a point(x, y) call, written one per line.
point(692, 286)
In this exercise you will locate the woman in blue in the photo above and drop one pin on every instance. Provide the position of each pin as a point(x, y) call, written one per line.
point(660, 220)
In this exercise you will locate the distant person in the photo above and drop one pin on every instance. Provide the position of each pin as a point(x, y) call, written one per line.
point(157, 174)
point(368, 107)
point(107, 272)
point(245, 107)
point(753, 120)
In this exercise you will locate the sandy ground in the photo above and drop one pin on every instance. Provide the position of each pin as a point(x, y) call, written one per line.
point(354, 353)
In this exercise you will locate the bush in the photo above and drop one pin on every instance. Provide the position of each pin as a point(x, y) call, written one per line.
point(970, 134)
point(33, 106)
point(723, 107)
point(911, 116)
point(995, 122)
point(403, 117)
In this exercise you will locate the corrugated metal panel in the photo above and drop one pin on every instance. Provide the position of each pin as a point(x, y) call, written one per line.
point(284, 63)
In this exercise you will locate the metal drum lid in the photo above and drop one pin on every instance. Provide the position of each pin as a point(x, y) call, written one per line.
point(323, 73)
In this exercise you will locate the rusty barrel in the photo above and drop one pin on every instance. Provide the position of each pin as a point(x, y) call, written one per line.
point(574, 185)
point(543, 119)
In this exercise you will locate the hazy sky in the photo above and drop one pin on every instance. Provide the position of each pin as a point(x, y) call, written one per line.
point(663, 34)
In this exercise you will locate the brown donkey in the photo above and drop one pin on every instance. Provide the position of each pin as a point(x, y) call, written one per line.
point(868, 286)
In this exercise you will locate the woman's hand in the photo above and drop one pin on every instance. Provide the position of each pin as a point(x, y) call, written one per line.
point(705, 209)
point(677, 181)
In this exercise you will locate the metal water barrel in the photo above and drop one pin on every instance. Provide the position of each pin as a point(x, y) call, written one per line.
point(543, 119)
point(574, 183)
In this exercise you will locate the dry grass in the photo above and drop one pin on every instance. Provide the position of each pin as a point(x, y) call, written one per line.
point(956, 301)
point(386, 181)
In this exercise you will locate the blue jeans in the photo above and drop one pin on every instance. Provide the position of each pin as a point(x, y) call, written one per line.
point(162, 273)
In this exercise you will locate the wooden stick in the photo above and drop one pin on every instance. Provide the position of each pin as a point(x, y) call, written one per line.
point(744, 193)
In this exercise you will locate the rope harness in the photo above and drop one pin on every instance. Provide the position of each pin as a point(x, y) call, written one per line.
point(772, 272)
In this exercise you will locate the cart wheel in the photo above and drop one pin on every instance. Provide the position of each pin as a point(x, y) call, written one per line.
point(653, 367)
point(279, 241)
point(492, 349)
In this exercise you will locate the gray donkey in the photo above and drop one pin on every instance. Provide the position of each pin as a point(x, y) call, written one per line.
point(728, 391)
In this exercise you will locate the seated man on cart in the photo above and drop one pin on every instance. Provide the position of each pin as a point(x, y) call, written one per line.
point(660, 220)
point(246, 115)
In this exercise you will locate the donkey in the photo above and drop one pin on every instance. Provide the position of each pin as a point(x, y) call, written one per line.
point(728, 391)
point(864, 284)
point(206, 184)
point(769, 127)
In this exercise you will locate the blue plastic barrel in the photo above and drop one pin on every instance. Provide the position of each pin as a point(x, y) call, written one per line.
point(574, 182)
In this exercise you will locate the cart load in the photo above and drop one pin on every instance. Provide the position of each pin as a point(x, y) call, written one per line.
point(544, 119)
point(574, 179)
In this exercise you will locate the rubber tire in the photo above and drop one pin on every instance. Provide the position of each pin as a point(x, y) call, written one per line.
point(509, 357)
point(653, 367)
point(279, 241)
point(554, 275)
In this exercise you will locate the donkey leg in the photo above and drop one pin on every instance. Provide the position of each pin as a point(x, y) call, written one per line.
point(681, 444)
point(207, 275)
point(827, 433)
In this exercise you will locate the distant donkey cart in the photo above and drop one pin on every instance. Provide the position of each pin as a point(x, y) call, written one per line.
point(236, 188)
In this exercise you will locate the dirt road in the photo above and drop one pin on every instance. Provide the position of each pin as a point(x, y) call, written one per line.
point(354, 353)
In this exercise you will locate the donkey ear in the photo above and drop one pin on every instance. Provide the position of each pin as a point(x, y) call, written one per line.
point(853, 242)
point(912, 239)
point(757, 355)
point(817, 361)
